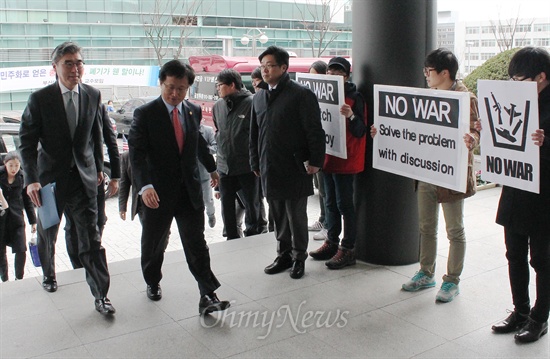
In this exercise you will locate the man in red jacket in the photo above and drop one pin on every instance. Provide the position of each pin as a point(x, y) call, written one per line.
point(338, 175)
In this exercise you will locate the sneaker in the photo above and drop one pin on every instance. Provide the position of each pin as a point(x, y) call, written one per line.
point(326, 251)
point(322, 235)
point(212, 221)
point(418, 281)
point(447, 293)
point(315, 226)
point(343, 258)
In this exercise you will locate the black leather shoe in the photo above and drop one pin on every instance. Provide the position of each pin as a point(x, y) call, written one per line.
point(104, 306)
point(297, 270)
point(280, 264)
point(210, 303)
point(49, 284)
point(154, 292)
point(531, 331)
point(513, 323)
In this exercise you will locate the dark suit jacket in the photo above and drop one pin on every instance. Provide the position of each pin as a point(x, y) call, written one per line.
point(154, 154)
point(127, 181)
point(109, 138)
point(46, 145)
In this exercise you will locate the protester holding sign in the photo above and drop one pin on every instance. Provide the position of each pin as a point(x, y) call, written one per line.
point(440, 71)
point(524, 214)
point(338, 175)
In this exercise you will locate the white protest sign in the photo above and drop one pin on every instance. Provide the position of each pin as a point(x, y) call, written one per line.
point(329, 90)
point(509, 113)
point(23, 78)
point(420, 134)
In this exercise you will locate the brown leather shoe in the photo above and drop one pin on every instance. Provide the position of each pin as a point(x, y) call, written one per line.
point(343, 258)
point(326, 251)
point(513, 323)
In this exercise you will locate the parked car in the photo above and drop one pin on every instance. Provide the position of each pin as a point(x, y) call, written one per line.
point(124, 116)
point(9, 141)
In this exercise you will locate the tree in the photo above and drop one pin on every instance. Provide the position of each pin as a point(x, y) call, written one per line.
point(317, 21)
point(169, 17)
point(505, 31)
point(496, 68)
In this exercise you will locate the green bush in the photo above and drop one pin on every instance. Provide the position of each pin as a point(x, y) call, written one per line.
point(496, 68)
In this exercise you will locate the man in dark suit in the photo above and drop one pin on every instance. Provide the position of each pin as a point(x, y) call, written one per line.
point(71, 236)
point(164, 145)
point(61, 134)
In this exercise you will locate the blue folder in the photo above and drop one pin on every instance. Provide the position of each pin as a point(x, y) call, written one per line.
point(48, 211)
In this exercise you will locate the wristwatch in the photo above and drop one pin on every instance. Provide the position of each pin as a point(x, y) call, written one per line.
point(352, 117)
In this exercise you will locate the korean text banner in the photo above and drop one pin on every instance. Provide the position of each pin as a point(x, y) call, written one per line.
point(329, 90)
point(509, 113)
point(23, 78)
point(419, 134)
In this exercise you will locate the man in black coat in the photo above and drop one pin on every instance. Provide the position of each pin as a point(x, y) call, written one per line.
point(287, 146)
point(61, 142)
point(164, 145)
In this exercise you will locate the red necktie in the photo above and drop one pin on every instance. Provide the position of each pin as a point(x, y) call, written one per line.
point(178, 129)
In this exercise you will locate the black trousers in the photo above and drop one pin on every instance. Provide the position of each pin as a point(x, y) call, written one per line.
point(517, 252)
point(90, 251)
point(290, 220)
point(248, 187)
point(156, 226)
point(71, 236)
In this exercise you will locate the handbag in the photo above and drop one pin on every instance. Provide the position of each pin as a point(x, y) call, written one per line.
point(33, 249)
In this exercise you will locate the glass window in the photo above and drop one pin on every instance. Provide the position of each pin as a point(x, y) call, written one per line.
point(541, 27)
point(472, 30)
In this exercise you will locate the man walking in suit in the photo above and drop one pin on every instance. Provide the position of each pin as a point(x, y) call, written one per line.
point(61, 135)
point(164, 145)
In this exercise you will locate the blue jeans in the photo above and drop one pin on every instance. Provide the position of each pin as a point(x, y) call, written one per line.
point(338, 204)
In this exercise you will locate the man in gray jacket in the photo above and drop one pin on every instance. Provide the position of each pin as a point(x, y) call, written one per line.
point(231, 115)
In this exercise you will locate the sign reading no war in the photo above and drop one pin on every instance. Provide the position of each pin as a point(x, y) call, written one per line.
point(420, 134)
point(329, 90)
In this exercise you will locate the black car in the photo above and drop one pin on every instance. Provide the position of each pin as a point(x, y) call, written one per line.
point(9, 141)
point(124, 116)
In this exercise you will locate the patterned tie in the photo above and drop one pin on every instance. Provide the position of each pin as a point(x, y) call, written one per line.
point(178, 129)
point(71, 114)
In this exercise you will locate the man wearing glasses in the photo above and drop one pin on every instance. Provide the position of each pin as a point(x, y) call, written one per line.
point(231, 114)
point(61, 142)
point(287, 146)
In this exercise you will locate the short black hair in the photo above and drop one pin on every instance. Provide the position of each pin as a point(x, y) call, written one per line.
point(177, 69)
point(320, 67)
point(231, 76)
point(68, 47)
point(280, 55)
point(257, 73)
point(13, 155)
point(529, 62)
point(442, 59)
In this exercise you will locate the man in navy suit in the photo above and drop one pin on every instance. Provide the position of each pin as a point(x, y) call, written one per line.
point(164, 146)
point(61, 142)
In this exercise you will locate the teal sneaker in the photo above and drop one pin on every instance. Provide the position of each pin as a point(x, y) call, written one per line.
point(419, 281)
point(447, 293)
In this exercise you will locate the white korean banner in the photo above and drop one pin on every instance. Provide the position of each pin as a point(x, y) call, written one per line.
point(329, 90)
point(419, 134)
point(509, 113)
point(23, 78)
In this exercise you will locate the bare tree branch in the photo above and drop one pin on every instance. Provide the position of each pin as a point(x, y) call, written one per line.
point(320, 29)
point(505, 31)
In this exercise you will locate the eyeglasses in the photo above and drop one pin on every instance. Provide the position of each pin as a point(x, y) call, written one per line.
point(268, 66)
point(427, 70)
point(70, 64)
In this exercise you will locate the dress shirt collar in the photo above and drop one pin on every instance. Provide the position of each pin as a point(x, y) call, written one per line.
point(65, 90)
point(170, 108)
